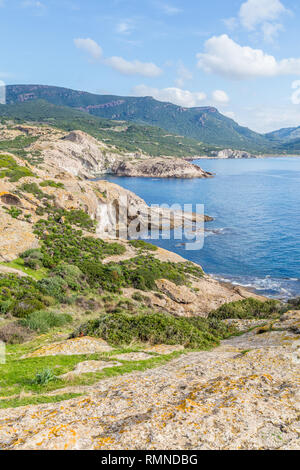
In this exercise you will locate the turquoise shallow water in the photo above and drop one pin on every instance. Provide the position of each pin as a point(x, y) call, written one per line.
point(254, 239)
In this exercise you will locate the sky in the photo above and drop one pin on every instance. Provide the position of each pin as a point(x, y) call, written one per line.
point(241, 56)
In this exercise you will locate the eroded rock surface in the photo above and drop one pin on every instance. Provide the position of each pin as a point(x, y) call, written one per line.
point(241, 395)
point(160, 168)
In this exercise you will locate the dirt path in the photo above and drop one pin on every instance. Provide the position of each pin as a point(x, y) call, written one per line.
point(242, 395)
point(8, 270)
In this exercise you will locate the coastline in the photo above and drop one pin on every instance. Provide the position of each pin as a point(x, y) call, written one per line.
point(192, 159)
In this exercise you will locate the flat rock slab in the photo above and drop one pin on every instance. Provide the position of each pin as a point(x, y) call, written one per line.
point(90, 366)
point(218, 399)
point(164, 348)
point(134, 356)
point(84, 345)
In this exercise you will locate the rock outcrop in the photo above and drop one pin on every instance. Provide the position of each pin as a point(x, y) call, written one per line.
point(76, 153)
point(159, 168)
point(243, 395)
point(229, 153)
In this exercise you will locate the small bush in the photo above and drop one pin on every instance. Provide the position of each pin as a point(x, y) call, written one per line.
point(154, 328)
point(44, 377)
point(294, 303)
point(23, 308)
point(71, 274)
point(43, 320)
point(13, 333)
point(11, 170)
point(33, 258)
point(14, 212)
point(52, 184)
point(54, 286)
point(248, 309)
point(141, 244)
point(32, 188)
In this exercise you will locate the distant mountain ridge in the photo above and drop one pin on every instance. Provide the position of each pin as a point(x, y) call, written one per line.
point(285, 135)
point(204, 124)
point(200, 124)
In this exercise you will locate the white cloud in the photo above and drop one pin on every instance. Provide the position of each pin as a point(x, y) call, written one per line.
point(220, 96)
point(255, 12)
point(185, 98)
point(225, 57)
point(135, 67)
point(229, 114)
point(90, 46)
point(32, 4)
point(264, 119)
point(260, 15)
point(124, 27)
point(169, 9)
point(295, 98)
point(271, 30)
point(2, 3)
point(183, 74)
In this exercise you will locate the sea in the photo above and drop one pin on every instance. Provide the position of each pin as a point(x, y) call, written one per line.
point(254, 239)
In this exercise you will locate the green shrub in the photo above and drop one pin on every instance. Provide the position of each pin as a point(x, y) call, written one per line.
point(294, 303)
point(52, 184)
point(14, 211)
point(71, 274)
point(44, 377)
point(54, 286)
point(62, 243)
point(154, 328)
point(11, 170)
point(43, 320)
point(23, 308)
point(141, 244)
point(19, 296)
point(32, 188)
point(248, 309)
point(33, 258)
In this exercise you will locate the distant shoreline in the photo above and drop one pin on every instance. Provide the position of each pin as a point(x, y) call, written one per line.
point(191, 159)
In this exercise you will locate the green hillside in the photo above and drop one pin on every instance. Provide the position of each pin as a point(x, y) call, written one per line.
point(204, 124)
point(285, 135)
point(125, 136)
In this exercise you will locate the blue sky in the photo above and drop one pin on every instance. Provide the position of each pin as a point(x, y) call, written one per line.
point(241, 56)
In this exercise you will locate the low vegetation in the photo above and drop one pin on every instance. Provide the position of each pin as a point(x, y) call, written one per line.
point(52, 184)
point(249, 309)
point(155, 328)
point(142, 245)
point(43, 320)
point(11, 170)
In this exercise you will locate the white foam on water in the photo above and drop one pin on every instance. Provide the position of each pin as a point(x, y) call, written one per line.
point(276, 288)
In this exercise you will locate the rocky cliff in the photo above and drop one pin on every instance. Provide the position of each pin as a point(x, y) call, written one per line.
point(159, 168)
point(229, 153)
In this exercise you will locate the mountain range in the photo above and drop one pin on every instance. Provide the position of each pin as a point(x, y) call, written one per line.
point(192, 130)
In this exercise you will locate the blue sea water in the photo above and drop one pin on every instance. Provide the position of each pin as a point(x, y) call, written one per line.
point(254, 239)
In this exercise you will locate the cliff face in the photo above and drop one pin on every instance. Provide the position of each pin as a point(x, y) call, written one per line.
point(159, 168)
point(77, 153)
point(229, 153)
point(82, 155)
point(114, 209)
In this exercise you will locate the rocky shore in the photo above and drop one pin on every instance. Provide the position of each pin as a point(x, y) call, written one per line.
point(159, 168)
